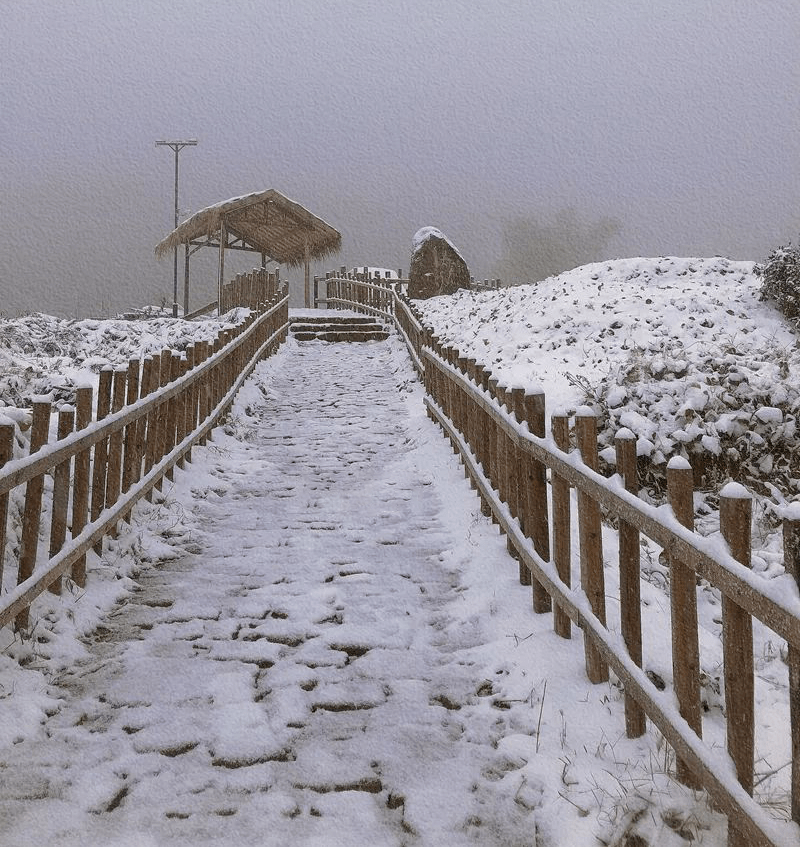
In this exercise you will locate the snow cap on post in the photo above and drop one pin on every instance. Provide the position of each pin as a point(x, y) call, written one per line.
point(735, 491)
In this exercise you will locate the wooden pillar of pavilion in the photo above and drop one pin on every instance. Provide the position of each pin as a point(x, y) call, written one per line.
point(307, 280)
point(186, 280)
point(223, 237)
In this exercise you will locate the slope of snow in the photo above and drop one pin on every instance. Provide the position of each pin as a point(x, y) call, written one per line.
point(365, 667)
point(50, 356)
point(562, 764)
point(680, 351)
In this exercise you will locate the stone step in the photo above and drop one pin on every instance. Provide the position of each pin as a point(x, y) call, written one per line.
point(342, 335)
point(331, 319)
point(371, 327)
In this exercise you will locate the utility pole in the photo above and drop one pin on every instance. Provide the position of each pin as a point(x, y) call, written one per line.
point(177, 146)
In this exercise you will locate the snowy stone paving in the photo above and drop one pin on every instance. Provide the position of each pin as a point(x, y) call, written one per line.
point(285, 669)
point(313, 637)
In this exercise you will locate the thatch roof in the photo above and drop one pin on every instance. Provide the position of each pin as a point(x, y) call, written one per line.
point(266, 222)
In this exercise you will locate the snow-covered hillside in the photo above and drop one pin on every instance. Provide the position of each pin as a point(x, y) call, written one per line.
point(675, 349)
point(680, 351)
point(46, 355)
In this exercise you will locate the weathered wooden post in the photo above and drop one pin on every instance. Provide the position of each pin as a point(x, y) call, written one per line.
point(473, 420)
point(61, 474)
point(131, 430)
point(6, 455)
point(151, 442)
point(40, 431)
point(629, 588)
point(114, 476)
point(202, 386)
point(80, 487)
point(683, 604)
point(495, 456)
point(735, 514)
point(502, 447)
point(190, 405)
point(591, 543)
point(537, 525)
point(145, 384)
point(172, 411)
point(162, 420)
point(562, 542)
point(791, 562)
point(100, 456)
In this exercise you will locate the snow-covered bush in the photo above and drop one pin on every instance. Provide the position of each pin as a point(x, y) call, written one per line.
point(781, 275)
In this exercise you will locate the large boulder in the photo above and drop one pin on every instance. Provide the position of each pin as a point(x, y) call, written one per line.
point(436, 266)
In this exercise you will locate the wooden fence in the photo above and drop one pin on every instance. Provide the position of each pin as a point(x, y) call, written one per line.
point(147, 417)
point(508, 450)
point(250, 289)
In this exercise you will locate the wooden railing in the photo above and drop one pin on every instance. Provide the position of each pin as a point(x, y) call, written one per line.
point(148, 417)
point(502, 435)
point(250, 289)
point(382, 298)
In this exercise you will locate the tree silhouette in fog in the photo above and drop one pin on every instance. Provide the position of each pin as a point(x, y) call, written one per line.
point(537, 247)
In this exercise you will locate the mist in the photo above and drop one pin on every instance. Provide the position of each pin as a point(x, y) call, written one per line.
point(675, 120)
point(535, 248)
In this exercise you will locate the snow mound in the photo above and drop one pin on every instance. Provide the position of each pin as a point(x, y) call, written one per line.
point(682, 351)
point(45, 355)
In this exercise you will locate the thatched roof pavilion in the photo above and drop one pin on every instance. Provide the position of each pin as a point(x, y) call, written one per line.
point(264, 222)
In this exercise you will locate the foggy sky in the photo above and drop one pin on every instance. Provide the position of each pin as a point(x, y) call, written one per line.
point(678, 118)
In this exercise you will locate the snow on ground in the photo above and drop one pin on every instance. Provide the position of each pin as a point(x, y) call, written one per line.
point(683, 353)
point(490, 732)
point(680, 351)
point(42, 355)
point(321, 641)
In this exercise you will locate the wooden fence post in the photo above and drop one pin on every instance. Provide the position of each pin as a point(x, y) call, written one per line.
point(735, 512)
point(495, 456)
point(190, 397)
point(591, 543)
point(202, 387)
point(465, 403)
point(503, 457)
point(683, 604)
point(129, 438)
point(100, 459)
point(518, 460)
point(40, 431)
point(80, 486)
point(61, 474)
point(151, 432)
point(145, 387)
point(162, 418)
point(473, 417)
point(172, 411)
point(114, 476)
point(629, 585)
point(791, 561)
point(534, 498)
point(562, 542)
point(6, 454)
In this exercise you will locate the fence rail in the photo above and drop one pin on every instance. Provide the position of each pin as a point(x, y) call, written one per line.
point(148, 417)
point(508, 451)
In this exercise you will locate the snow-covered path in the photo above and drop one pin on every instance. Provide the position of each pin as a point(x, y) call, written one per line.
point(296, 675)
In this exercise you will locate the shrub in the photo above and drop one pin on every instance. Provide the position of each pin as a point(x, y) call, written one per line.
point(781, 275)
